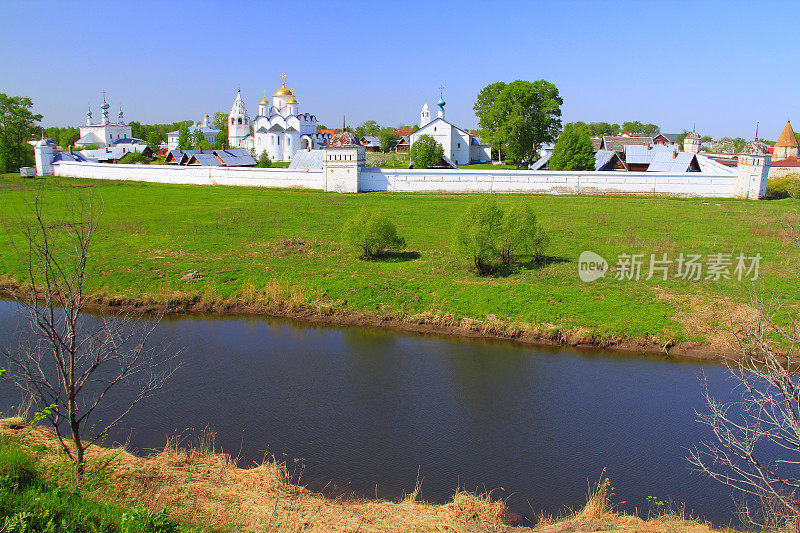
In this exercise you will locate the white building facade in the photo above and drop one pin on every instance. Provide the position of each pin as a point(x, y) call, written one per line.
point(460, 147)
point(105, 132)
point(279, 129)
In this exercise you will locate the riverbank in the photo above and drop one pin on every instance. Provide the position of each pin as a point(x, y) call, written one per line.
point(206, 489)
point(423, 323)
point(280, 253)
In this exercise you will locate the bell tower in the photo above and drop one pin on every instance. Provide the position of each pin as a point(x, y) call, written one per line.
point(238, 122)
point(424, 115)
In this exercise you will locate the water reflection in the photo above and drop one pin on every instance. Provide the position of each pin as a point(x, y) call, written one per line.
point(366, 410)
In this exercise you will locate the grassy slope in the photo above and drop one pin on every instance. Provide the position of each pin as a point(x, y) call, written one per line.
point(244, 240)
point(35, 495)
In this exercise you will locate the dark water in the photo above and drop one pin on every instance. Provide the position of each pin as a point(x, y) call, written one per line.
point(365, 411)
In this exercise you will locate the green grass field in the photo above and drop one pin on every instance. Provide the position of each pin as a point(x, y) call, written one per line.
point(251, 243)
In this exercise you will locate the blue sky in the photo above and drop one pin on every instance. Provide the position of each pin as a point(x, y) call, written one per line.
point(721, 65)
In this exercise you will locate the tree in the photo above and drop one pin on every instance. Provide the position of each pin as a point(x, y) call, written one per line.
point(17, 126)
point(184, 143)
point(573, 151)
point(373, 233)
point(263, 160)
point(477, 235)
point(198, 138)
point(756, 435)
point(520, 234)
point(221, 139)
point(220, 121)
point(369, 127)
point(426, 152)
point(153, 141)
point(517, 118)
point(76, 364)
point(388, 139)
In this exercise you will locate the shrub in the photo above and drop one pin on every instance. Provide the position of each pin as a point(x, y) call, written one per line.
point(783, 187)
point(520, 234)
point(426, 152)
point(485, 233)
point(478, 233)
point(263, 160)
point(373, 233)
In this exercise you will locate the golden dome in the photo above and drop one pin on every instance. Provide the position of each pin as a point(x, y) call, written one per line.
point(264, 100)
point(283, 91)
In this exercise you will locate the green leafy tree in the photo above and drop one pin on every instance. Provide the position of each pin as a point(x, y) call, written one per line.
point(370, 127)
point(651, 130)
point(573, 151)
point(197, 138)
point(426, 152)
point(521, 235)
point(135, 158)
point(518, 117)
point(388, 139)
point(153, 140)
point(478, 233)
point(184, 143)
point(372, 233)
point(17, 126)
point(263, 160)
point(221, 139)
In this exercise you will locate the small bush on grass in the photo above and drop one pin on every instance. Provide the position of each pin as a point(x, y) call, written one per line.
point(478, 233)
point(485, 233)
point(135, 158)
point(373, 233)
point(520, 234)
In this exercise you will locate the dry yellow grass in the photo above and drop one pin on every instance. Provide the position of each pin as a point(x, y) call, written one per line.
point(200, 486)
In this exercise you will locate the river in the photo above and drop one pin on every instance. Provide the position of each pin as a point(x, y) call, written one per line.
point(366, 412)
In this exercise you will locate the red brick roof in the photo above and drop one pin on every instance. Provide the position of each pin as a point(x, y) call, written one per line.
point(332, 132)
point(788, 162)
point(402, 132)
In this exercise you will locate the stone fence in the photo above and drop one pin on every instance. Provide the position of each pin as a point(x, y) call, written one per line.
point(409, 180)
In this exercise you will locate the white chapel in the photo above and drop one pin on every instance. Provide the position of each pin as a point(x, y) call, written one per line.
point(279, 129)
point(105, 133)
point(460, 147)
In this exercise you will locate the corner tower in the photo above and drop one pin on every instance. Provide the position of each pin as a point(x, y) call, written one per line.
point(752, 171)
point(787, 145)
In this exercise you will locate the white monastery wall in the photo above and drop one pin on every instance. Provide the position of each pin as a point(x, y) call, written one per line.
point(197, 175)
point(548, 182)
point(410, 180)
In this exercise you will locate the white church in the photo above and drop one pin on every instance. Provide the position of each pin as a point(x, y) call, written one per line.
point(279, 129)
point(460, 147)
point(105, 133)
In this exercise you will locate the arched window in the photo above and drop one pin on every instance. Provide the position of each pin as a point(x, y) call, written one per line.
point(288, 141)
point(233, 121)
point(240, 120)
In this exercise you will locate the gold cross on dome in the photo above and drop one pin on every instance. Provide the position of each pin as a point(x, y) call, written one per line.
point(265, 93)
point(283, 76)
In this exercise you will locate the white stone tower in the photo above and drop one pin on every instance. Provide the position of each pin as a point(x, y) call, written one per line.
point(691, 143)
point(343, 162)
point(238, 123)
point(424, 115)
point(44, 152)
point(89, 116)
point(120, 117)
point(752, 171)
